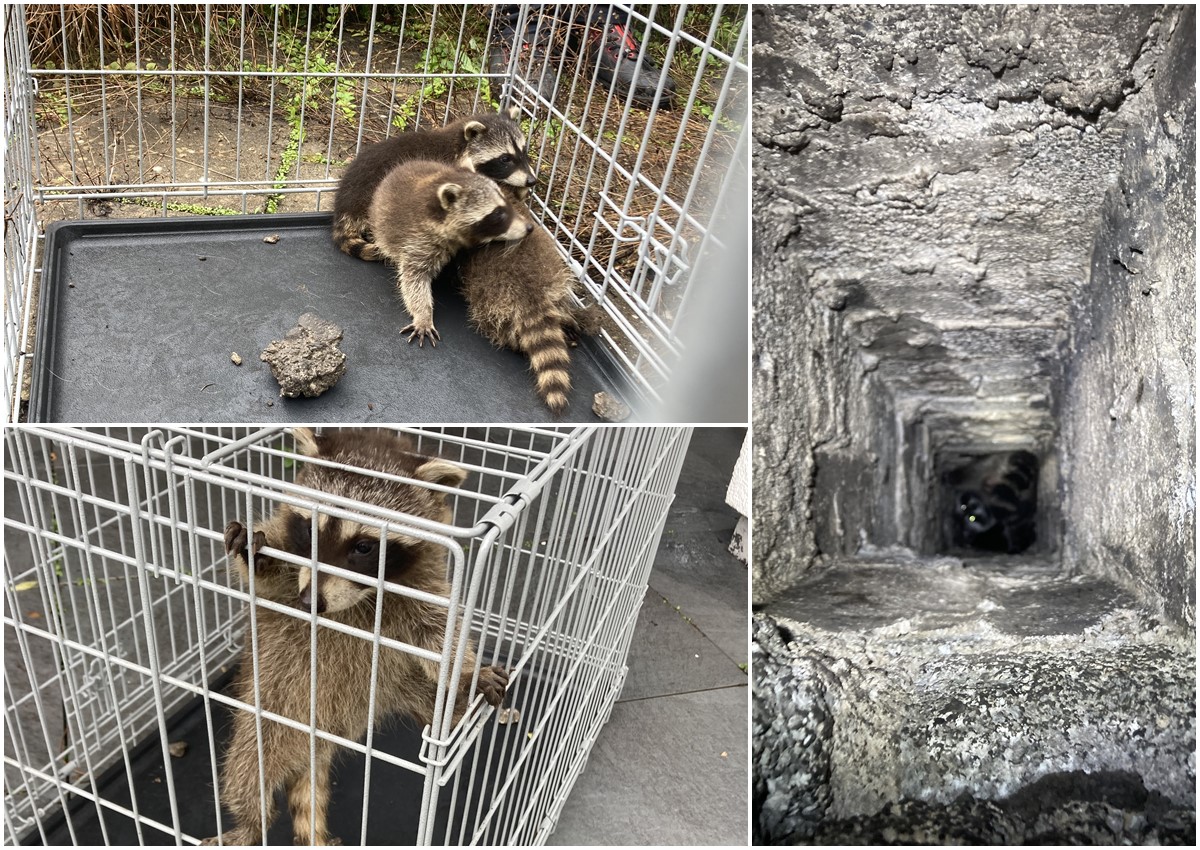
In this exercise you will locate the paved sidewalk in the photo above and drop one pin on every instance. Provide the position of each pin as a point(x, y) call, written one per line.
point(671, 765)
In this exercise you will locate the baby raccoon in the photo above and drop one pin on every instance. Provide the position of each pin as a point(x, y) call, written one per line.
point(490, 143)
point(405, 684)
point(996, 502)
point(423, 214)
point(519, 297)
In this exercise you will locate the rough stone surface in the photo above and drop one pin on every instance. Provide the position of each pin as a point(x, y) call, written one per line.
point(793, 731)
point(1025, 819)
point(885, 682)
point(609, 408)
point(1130, 383)
point(933, 190)
point(307, 361)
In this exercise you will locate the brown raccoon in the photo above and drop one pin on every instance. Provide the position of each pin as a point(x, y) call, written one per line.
point(518, 296)
point(423, 214)
point(405, 684)
point(490, 143)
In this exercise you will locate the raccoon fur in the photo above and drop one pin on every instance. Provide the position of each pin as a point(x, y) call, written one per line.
point(490, 143)
point(996, 502)
point(423, 214)
point(405, 684)
point(518, 296)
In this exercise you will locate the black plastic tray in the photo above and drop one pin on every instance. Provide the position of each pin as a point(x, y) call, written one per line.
point(137, 320)
point(394, 804)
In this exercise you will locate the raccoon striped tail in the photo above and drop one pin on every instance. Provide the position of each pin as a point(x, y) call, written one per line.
point(542, 340)
point(352, 237)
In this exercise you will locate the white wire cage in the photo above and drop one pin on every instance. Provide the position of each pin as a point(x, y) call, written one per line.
point(124, 110)
point(123, 619)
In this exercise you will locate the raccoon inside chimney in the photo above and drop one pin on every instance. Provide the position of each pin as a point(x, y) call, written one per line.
point(975, 424)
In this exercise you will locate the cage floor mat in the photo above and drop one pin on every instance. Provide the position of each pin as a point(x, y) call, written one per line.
point(393, 807)
point(138, 319)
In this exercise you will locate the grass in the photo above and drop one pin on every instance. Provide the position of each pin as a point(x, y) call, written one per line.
point(180, 207)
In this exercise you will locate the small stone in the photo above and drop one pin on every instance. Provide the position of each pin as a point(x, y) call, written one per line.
point(272, 239)
point(307, 361)
point(610, 409)
point(236, 358)
point(178, 749)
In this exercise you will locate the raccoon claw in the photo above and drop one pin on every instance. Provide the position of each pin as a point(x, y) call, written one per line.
point(235, 540)
point(420, 334)
point(493, 682)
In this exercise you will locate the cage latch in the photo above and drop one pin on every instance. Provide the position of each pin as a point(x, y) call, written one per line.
point(450, 751)
point(668, 261)
point(93, 690)
point(504, 515)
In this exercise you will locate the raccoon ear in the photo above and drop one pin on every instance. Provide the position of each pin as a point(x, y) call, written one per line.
point(448, 194)
point(306, 441)
point(438, 471)
point(473, 130)
point(513, 112)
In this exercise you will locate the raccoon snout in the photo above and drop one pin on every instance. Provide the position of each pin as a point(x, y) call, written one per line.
point(531, 180)
point(306, 600)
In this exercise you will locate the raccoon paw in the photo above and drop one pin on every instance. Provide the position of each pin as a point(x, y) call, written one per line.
point(420, 333)
point(493, 682)
point(235, 540)
point(583, 321)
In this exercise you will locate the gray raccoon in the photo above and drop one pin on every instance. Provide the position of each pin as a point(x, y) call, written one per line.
point(423, 214)
point(490, 143)
point(519, 297)
point(996, 502)
point(405, 684)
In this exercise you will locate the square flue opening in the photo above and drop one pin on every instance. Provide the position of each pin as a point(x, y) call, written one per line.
point(988, 502)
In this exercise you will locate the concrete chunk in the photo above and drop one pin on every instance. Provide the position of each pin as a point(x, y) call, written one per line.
point(307, 361)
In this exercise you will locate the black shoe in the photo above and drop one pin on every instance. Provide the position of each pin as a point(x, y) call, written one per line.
point(533, 59)
point(616, 54)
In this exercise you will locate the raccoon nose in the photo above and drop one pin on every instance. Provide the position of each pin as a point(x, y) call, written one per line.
point(528, 227)
point(306, 600)
point(531, 180)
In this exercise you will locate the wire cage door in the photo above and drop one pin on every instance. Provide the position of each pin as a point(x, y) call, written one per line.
point(125, 622)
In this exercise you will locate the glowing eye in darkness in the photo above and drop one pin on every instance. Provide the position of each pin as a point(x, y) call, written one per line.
point(971, 518)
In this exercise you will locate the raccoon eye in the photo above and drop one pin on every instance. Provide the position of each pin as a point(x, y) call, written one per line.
point(365, 546)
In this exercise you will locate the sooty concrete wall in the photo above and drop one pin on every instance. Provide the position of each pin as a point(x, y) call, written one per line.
point(1129, 409)
point(947, 203)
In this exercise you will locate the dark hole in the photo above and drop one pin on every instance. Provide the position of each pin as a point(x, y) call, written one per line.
point(989, 502)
